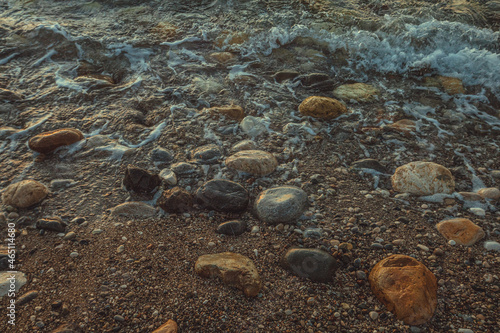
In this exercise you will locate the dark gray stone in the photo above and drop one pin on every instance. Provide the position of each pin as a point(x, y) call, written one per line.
point(140, 180)
point(232, 228)
point(314, 264)
point(369, 163)
point(223, 195)
point(281, 204)
point(27, 297)
point(209, 154)
point(176, 200)
point(51, 224)
point(184, 169)
point(161, 155)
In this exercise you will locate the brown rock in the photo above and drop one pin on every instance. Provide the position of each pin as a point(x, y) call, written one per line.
point(24, 194)
point(140, 180)
point(360, 92)
point(423, 178)
point(406, 287)
point(47, 142)
point(234, 269)
point(231, 111)
point(169, 327)
point(403, 125)
point(255, 162)
point(462, 231)
point(176, 200)
point(223, 57)
point(489, 193)
point(322, 107)
point(470, 196)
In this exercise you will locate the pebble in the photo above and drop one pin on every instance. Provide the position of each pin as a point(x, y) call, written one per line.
point(281, 204)
point(140, 180)
point(120, 249)
point(168, 176)
point(161, 155)
point(465, 330)
point(314, 264)
point(97, 231)
point(361, 275)
point(373, 315)
point(73, 254)
point(20, 280)
point(51, 224)
point(376, 246)
point(452, 242)
point(223, 195)
point(255, 229)
point(208, 154)
point(492, 246)
point(175, 200)
point(423, 178)
point(24, 194)
point(253, 126)
point(477, 211)
point(360, 92)
point(70, 235)
point(47, 142)
point(134, 209)
point(255, 162)
point(232, 228)
point(322, 107)
point(245, 145)
point(27, 297)
point(423, 247)
point(398, 242)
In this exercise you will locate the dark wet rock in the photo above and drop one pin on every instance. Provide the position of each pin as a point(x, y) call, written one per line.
point(369, 163)
point(9, 95)
point(223, 195)
point(176, 200)
point(184, 169)
point(285, 75)
point(51, 224)
point(313, 264)
point(232, 228)
point(208, 154)
point(281, 204)
point(27, 297)
point(140, 180)
point(161, 155)
point(47, 142)
point(313, 78)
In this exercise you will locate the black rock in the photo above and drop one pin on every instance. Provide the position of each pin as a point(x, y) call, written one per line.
point(223, 195)
point(369, 163)
point(232, 228)
point(140, 180)
point(51, 224)
point(209, 154)
point(285, 75)
point(313, 264)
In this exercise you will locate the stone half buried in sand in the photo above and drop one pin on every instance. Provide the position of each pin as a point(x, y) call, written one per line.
point(47, 142)
point(255, 162)
point(462, 231)
point(169, 327)
point(360, 92)
point(282, 204)
point(322, 107)
point(406, 287)
point(423, 178)
point(234, 269)
point(24, 194)
point(313, 264)
point(134, 209)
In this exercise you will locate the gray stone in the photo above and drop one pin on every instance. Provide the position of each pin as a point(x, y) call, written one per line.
point(492, 246)
point(168, 176)
point(18, 278)
point(232, 228)
point(281, 204)
point(184, 169)
point(369, 163)
point(51, 224)
point(313, 264)
point(223, 195)
point(134, 208)
point(161, 155)
point(208, 154)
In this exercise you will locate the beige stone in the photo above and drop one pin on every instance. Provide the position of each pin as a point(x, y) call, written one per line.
point(462, 231)
point(255, 162)
point(234, 269)
point(169, 327)
point(134, 208)
point(489, 193)
point(360, 92)
point(451, 85)
point(223, 57)
point(403, 125)
point(322, 107)
point(406, 287)
point(423, 178)
point(49, 141)
point(24, 194)
point(235, 112)
point(470, 196)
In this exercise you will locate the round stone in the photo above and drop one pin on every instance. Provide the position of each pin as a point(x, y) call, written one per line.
point(322, 107)
point(423, 178)
point(281, 204)
point(255, 162)
point(313, 264)
point(24, 194)
point(232, 228)
point(223, 195)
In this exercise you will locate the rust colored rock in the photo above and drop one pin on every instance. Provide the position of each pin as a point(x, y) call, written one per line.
point(322, 107)
point(234, 269)
point(24, 194)
point(423, 178)
point(406, 287)
point(231, 111)
point(47, 142)
point(462, 231)
point(176, 200)
point(255, 162)
point(169, 327)
point(451, 85)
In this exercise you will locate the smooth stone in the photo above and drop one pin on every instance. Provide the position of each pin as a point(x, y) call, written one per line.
point(51, 224)
point(369, 163)
point(406, 287)
point(360, 92)
point(223, 195)
point(176, 200)
point(47, 142)
point(161, 155)
point(140, 180)
point(282, 204)
point(4, 258)
point(489, 193)
point(27, 297)
point(73, 254)
point(119, 318)
point(18, 278)
point(314, 264)
point(361, 275)
point(322, 107)
point(423, 247)
point(168, 176)
point(57, 184)
point(373, 315)
point(423, 178)
point(463, 231)
point(234, 270)
point(70, 235)
point(234, 112)
point(470, 196)
point(451, 85)
point(24, 194)
point(134, 208)
point(492, 246)
point(223, 57)
point(465, 330)
point(284, 75)
point(232, 228)
point(65, 328)
point(245, 145)
point(208, 154)
point(255, 162)
point(477, 211)
point(169, 327)
point(184, 169)
point(253, 126)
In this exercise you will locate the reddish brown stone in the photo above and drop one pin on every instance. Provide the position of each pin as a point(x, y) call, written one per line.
point(176, 200)
point(47, 142)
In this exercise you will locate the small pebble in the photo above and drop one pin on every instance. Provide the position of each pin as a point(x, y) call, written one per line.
point(373, 315)
point(70, 235)
point(119, 318)
point(423, 247)
point(452, 242)
point(73, 254)
point(97, 231)
point(120, 249)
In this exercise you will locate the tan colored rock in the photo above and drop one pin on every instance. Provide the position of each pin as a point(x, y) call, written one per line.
point(169, 327)
point(423, 178)
point(255, 162)
point(235, 112)
point(406, 287)
point(231, 40)
point(489, 193)
point(451, 85)
point(360, 92)
point(462, 231)
point(403, 125)
point(234, 269)
point(322, 107)
point(24, 194)
point(134, 208)
point(223, 57)
point(470, 196)
point(49, 141)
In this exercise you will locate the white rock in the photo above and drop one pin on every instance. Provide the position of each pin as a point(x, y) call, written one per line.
point(477, 211)
point(423, 178)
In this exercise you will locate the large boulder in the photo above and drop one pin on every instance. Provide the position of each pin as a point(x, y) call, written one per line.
point(255, 162)
point(462, 231)
point(223, 195)
point(322, 107)
point(282, 204)
point(47, 142)
point(406, 287)
point(313, 264)
point(24, 194)
point(423, 178)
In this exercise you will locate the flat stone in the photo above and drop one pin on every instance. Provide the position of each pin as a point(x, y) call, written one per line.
point(281, 204)
point(489, 193)
point(51, 224)
point(470, 196)
point(255, 162)
point(314, 264)
point(208, 154)
point(360, 92)
point(234, 269)
point(369, 163)
point(5, 281)
point(406, 287)
point(27, 297)
point(245, 145)
point(322, 107)
point(161, 155)
point(24, 194)
point(223, 195)
point(463, 231)
point(232, 228)
point(234, 112)
point(47, 142)
point(176, 200)
point(403, 125)
point(423, 178)
point(140, 180)
point(492, 246)
point(169, 327)
point(134, 208)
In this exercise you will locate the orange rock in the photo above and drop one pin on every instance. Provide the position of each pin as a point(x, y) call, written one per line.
point(470, 196)
point(322, 107)
point(255, 162)
point(169, 327)
point(462, 231)
point(231, 111)
point(49, 141)
point(489, 193)
point(423, 178)
point(406, 287)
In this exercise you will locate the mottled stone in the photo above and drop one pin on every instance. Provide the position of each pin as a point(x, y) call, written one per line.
point(245, 145)
point(51, 224)
point(223, 195)
point(255, 162)
point(406, 287)
point(423, 178)
point(360, 92)
point(18, 278)
point(322, 107)
point(462, 231)
point(49, 141)
point(489, 193)
point(140, 180)
point(134, 208)
point(313, 264)
point(232, 228)
point(234, 269)
point(208, 154)
point(24, 194)
point(169, 327)
point(281, 204)
point(451, 85)
point(176, 200)
point(234, 112)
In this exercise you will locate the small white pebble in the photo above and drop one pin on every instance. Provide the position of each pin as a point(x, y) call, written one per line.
point(452, 242)
point(73, 254)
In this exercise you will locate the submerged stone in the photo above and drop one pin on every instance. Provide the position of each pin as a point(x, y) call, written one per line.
point(322, 107)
